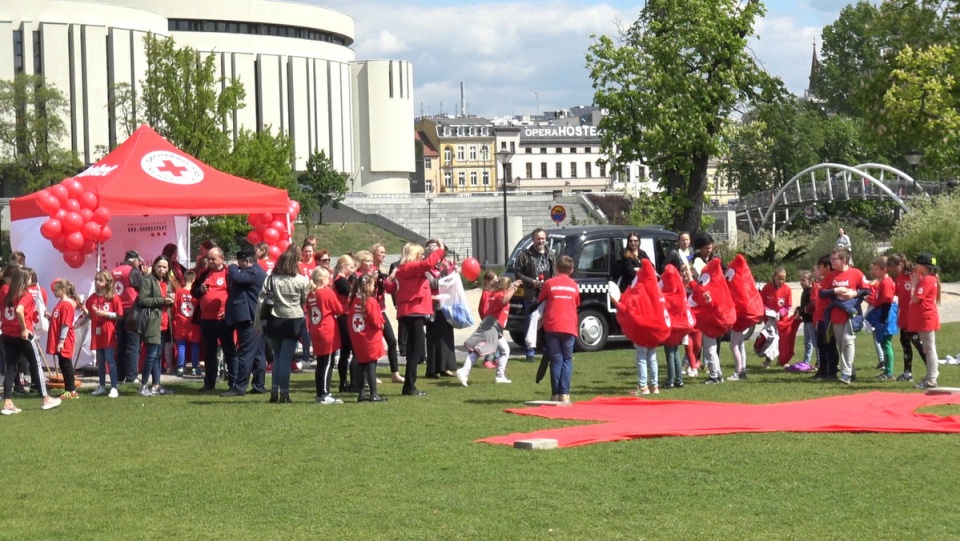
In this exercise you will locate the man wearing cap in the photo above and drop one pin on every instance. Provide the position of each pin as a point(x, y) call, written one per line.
point(126, 285)
point(210, 288)
point(244, 281)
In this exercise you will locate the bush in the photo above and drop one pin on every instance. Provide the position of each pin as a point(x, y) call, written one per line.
point(930, 226)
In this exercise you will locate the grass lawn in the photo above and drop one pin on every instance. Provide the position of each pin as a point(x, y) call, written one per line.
point(196, 466)
point(341, 238)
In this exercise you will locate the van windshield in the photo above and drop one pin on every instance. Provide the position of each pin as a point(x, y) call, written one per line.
point(556, 244)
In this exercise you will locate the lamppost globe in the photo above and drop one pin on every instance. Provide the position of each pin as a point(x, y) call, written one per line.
point(503, 157)
point(914, 157)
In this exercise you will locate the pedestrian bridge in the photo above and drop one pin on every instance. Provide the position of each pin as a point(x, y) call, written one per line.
point(827, 183)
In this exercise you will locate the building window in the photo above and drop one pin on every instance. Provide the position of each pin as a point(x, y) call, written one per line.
point(587, 169)
point(559, 150)
point(427, 163)
point(559, 170)
point(503, 145)
point(588, 150)
point(461, 178)
point(447, 155)
point(473, 178)
point(573, 150)
point(460, 153)
point(528, 150)
point(543, 150)
point(529, 170)
point(573, 169)
point(447, 179)
point(37, 53)
point(543, 170)
point(473, 152)
point(484, 153)
point(446, 131)
point(17, 51)
point(603, 170)
point(486, 178)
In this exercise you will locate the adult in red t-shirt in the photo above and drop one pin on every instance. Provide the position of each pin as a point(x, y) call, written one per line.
point(210, 288)
point(561, 297)
point(16, 326)
point(844, 283)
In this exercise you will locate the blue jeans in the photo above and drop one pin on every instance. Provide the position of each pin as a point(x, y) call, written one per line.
point(182, 353)
point(674, 365)
point(151, 364)
point(809, 341)
point(106, 358)
point(283, 350)
point(647, 366)
point(559, 349)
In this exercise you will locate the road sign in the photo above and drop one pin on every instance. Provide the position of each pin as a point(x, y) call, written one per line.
point(558, 213)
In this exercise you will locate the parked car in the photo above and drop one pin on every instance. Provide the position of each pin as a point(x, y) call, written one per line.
point(597, 252)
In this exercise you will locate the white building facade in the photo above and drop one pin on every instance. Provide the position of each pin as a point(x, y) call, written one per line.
point(295, 62)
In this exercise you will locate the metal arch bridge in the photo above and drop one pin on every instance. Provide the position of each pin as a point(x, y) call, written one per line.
point(826, 183)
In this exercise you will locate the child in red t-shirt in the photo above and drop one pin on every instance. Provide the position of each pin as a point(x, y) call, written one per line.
point(899, 268)
point(777, 302)
point(323, 308)
point(924, 316)
point(881, 297)
point(365, 324)
point(104, 308)
point(489, 283)
point(561, 297)
point(61, 337)
point(844, 283)
point(186, 333)
point(488, 338)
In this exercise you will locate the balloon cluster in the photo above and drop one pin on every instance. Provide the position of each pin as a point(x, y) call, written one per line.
point(77, 221)
point(272, 229)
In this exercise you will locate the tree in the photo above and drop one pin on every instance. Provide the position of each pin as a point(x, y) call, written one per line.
point(670, 86)
point(320, 185)
point(31, 128)
point(852, 52)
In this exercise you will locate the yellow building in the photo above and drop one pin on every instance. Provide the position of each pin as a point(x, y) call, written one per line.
point(465, 153)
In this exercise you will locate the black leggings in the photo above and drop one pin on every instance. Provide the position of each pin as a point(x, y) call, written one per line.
point(908, 341)
point(391, 345)
point(14, 348)
point(368, 372)
point(69, 377)
point(323, 374)
point(346, 349)
point(415, 349)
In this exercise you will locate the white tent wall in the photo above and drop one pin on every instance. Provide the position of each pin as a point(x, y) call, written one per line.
point(145, 234)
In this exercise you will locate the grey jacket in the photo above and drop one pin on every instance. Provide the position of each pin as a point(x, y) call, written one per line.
point(289, 296)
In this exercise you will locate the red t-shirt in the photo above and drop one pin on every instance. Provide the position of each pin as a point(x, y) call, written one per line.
point(213, 302)
point(183, 326)
point(323, 307)
point(778, 299)
point(903, 301)
point(818, 303)
point(103, 330)
point(62, 318)
point(851, 278)
point(9, 324)
point(882, 292)
point(266, 264)
point(499, 306)
point(562, 297)
point(484, 302)
point(306, 269)
point(121, 285)
point(924, 316)
point(366, 330)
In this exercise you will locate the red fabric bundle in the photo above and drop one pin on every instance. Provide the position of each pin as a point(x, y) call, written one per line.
point(746, 297)
point(787, 329)
point(682, 321)
point(716, 316)
point(641, 312)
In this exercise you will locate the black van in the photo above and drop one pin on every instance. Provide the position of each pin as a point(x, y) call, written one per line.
point(596, 251)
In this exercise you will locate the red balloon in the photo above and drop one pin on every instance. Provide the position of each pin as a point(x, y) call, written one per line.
point(266, 218)
point(283, 244)
point(88, 247)
point(60, 192)
point(278, 225)
point(74, 241)
point(60, 243)
point(86, 214)
point(274, 252)
point(470, 269)
point(60, 215)
point(105, 234)
point(72, 222)
point(91, 231)
point(72, 205)
point(293, 210)
point(51, 228)
point(253, 237)
point(74, 259)
point(89, 200)
point(271, 236)
point(252, 220)
point(48, 203)
point(101, 215)
point(73, 186)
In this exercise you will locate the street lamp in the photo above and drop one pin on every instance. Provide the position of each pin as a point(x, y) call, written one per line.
point(504, 157)
point(914, 157)
point(429, 196)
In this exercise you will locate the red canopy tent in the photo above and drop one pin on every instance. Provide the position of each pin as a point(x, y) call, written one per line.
point(146, 175)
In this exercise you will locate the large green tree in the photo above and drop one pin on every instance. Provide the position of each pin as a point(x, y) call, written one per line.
point(320, 185)
point(670, 85)
point(31, 129)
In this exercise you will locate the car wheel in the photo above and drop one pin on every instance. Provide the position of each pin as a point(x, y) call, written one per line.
point(593, 331)
point(519, 338)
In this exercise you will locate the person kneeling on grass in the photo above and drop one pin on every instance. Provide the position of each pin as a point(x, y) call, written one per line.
point(561, 297)
point(489, 334)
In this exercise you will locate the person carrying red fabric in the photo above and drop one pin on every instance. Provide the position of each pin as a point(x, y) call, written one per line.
point(561, 296)
point(366, 335)
point(924, 316)
point(61, 338)
point(323, 309)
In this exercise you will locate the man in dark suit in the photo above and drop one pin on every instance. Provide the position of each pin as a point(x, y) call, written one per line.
point(244, 281)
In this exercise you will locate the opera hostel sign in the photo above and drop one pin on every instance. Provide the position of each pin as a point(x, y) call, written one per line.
point(561, 131)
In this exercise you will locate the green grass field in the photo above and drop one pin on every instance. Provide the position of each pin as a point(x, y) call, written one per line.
point(196, 466)
point(340, 238)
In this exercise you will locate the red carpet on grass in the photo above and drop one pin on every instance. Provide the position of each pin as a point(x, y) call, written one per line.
point(629, 418)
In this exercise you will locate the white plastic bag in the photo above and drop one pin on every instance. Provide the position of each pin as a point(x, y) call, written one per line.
point(453, 301)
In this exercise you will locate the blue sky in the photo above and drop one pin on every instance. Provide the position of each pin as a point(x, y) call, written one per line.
point(523, 56)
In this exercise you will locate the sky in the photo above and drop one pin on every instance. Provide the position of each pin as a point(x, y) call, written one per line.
point(528, 56)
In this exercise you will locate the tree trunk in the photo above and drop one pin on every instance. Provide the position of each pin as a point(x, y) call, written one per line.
point(693, 189)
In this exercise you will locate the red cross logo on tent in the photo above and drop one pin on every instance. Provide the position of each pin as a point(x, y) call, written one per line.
point(170, 167)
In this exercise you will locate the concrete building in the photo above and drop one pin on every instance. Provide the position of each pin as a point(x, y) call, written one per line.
point(466, 148)
point(300, 75)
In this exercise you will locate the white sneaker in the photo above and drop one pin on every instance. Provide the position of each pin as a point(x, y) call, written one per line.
point(50, 404)
point(145, 391)
point(114, 393)
point(734, 377)
point(502, 379)
point(330, 399)
point(462, 376)
point(99, 391)
point(693, 373)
